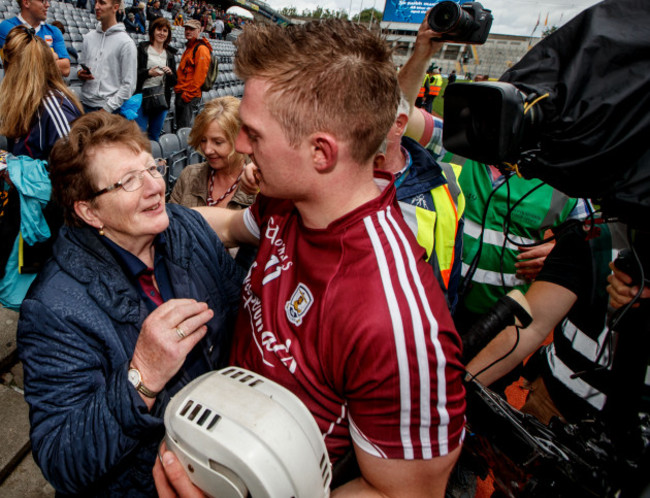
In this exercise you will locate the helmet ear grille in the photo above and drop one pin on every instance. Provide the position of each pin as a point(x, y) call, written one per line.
point(240, 435)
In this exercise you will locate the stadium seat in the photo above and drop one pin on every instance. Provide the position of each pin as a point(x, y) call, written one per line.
point(193, 156)
point(156, 151)
point(169, 144)
point(76, 89)
point(182, 134)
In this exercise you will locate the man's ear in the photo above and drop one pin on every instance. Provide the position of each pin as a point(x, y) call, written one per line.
point(87, 213)
point(401, 123)
point(379, 161)
point(325, 151)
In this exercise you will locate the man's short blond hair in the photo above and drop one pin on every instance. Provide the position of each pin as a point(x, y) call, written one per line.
point(324, 76)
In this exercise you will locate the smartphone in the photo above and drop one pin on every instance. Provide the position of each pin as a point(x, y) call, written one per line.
point(86, 68)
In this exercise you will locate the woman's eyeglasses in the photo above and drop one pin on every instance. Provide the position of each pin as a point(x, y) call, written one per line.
point(133, 180)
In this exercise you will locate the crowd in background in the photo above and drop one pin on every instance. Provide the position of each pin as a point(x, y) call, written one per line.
point(135, 266)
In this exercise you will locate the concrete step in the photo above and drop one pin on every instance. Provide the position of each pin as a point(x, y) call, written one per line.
point(14, 437)
point(26, 481)
point(8, 323)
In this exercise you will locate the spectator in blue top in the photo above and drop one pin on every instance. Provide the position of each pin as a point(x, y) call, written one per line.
point(33, 14)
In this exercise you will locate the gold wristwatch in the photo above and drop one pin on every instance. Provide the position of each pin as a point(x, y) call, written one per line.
point(136, 379)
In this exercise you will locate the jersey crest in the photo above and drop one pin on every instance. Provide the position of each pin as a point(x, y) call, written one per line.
point(299, 304)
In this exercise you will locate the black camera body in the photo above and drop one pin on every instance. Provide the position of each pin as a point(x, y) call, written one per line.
point(467, 23)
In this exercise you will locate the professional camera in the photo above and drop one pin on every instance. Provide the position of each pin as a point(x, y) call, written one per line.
point(572, 112)
point(467, 23)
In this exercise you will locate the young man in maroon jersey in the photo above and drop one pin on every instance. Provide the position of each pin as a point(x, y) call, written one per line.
point(340, 306)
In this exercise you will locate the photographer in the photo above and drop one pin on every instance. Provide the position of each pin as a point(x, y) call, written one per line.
point(485, 190)
point(569, 298)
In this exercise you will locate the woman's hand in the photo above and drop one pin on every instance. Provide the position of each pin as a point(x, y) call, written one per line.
point(155, 71)
point(166, 70)
point(168, 334)
point(249, 179)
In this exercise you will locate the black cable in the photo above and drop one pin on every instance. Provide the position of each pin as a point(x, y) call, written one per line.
point(467, 279)
point(506, 229)
point(616, 317)
point(473, 376)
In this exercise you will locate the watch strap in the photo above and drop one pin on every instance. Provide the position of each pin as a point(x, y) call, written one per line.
point(146, 391)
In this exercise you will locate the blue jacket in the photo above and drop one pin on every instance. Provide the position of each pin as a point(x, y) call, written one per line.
point(91, 433)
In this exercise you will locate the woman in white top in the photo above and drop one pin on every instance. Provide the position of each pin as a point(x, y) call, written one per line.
point(156, 72)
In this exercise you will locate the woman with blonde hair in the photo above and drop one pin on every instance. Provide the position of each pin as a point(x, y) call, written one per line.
point(36, 109)
point(218, 180)
point(36, 106)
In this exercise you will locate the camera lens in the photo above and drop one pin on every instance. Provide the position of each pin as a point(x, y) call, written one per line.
point(444, 17)
point(453, 20)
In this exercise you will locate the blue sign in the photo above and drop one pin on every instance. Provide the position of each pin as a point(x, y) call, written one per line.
point(411, 11)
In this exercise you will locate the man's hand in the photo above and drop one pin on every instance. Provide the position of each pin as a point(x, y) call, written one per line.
point(411, 75)
point(426, 41)
point(531, 260)
point(85, 75)
point(620, 288)
point(171, 479)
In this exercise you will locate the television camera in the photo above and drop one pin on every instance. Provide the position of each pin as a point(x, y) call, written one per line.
point(573, 112)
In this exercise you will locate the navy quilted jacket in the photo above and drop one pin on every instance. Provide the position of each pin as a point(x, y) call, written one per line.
point(91, 433)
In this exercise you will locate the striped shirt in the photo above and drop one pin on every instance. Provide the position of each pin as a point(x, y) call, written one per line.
point(52, 121)
point(351, 320)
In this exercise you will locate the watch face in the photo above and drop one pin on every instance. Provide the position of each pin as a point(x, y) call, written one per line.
point(134, 377)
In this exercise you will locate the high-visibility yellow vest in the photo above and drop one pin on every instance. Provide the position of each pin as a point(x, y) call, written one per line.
point(435, 85)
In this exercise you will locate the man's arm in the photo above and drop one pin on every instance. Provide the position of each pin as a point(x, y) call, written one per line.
point(201, 66)
point(403, 478)
point(61, 53)
point(410, 77)
point(381, 477)
point(549, 304)
point(229, 225)
point(64, 66)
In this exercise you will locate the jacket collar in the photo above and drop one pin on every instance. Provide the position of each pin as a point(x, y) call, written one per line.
point(423, 175)
point(81, 254)
point(199, 185)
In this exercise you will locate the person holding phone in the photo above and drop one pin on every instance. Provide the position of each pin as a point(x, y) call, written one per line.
point(108, 62)
point(156, 75)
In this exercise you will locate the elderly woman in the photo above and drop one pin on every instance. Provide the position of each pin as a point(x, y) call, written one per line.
point(219, 180)
point(136, 302)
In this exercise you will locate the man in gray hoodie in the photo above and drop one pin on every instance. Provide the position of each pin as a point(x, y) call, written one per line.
point(110, 59)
